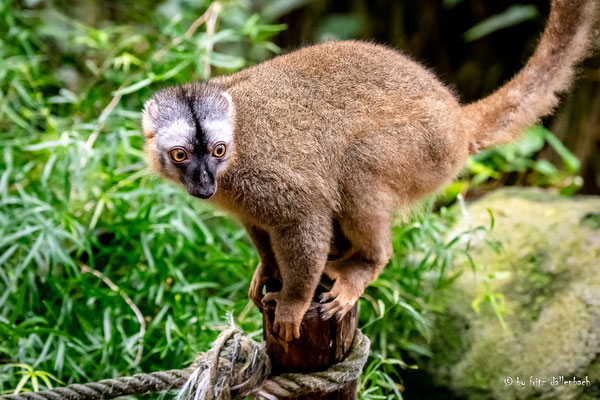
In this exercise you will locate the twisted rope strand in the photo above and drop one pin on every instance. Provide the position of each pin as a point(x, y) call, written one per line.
point(111, 388)
point(235, 367)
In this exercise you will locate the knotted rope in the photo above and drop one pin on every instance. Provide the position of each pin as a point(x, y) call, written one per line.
point(235, 367)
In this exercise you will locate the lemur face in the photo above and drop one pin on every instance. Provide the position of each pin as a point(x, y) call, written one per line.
point(189, 135)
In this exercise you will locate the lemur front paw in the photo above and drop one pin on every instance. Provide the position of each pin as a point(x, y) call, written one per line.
point(340, 299)
point(288, 317)
point(259, 280)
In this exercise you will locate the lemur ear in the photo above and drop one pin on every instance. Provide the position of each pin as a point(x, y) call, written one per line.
point(229, 100)
point(148, 115)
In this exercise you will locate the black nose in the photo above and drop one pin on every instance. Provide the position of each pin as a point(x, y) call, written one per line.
point(202, 192)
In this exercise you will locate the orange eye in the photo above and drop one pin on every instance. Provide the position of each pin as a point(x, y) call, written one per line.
point(219, 150)
point(178, 155)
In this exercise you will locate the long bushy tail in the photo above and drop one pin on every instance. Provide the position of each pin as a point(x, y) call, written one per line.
point(533, 92)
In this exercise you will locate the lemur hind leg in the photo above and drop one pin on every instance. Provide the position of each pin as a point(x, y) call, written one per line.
point(370, 236)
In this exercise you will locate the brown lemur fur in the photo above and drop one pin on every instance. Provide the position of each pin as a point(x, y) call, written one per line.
point(330, 139)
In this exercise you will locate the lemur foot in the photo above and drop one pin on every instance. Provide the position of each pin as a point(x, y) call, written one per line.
point(339, 300)
point(343, 295)
point(288, 317)
point(259, 280)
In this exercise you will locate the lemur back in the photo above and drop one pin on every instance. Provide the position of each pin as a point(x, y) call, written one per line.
point(328, 141)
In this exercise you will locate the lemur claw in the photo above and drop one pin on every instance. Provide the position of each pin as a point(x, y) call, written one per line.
point(338, 301)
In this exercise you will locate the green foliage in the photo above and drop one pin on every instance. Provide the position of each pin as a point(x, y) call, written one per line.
point(29, 375)
point(520, 158)
point(514, 15)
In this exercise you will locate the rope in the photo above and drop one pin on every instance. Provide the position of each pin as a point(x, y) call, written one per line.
point(235, 367)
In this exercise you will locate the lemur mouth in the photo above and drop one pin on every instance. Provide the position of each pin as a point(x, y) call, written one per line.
point(200, 191)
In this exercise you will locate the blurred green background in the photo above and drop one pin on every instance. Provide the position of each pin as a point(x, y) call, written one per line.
point(107, 270)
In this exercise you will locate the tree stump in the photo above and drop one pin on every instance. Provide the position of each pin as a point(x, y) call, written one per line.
point(321, 344)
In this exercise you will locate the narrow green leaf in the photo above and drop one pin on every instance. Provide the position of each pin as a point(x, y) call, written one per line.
point(514, 15)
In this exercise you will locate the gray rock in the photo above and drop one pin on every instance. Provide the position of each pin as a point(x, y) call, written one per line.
point(545, 284)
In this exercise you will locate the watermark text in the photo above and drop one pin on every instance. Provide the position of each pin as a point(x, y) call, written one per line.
point(532, 381)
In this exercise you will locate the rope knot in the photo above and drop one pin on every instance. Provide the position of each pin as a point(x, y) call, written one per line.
point(235, 367)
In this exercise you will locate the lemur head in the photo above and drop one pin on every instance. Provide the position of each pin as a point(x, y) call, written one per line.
point(189, 134)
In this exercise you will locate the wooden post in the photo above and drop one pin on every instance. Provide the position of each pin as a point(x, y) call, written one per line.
point(321, 344)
